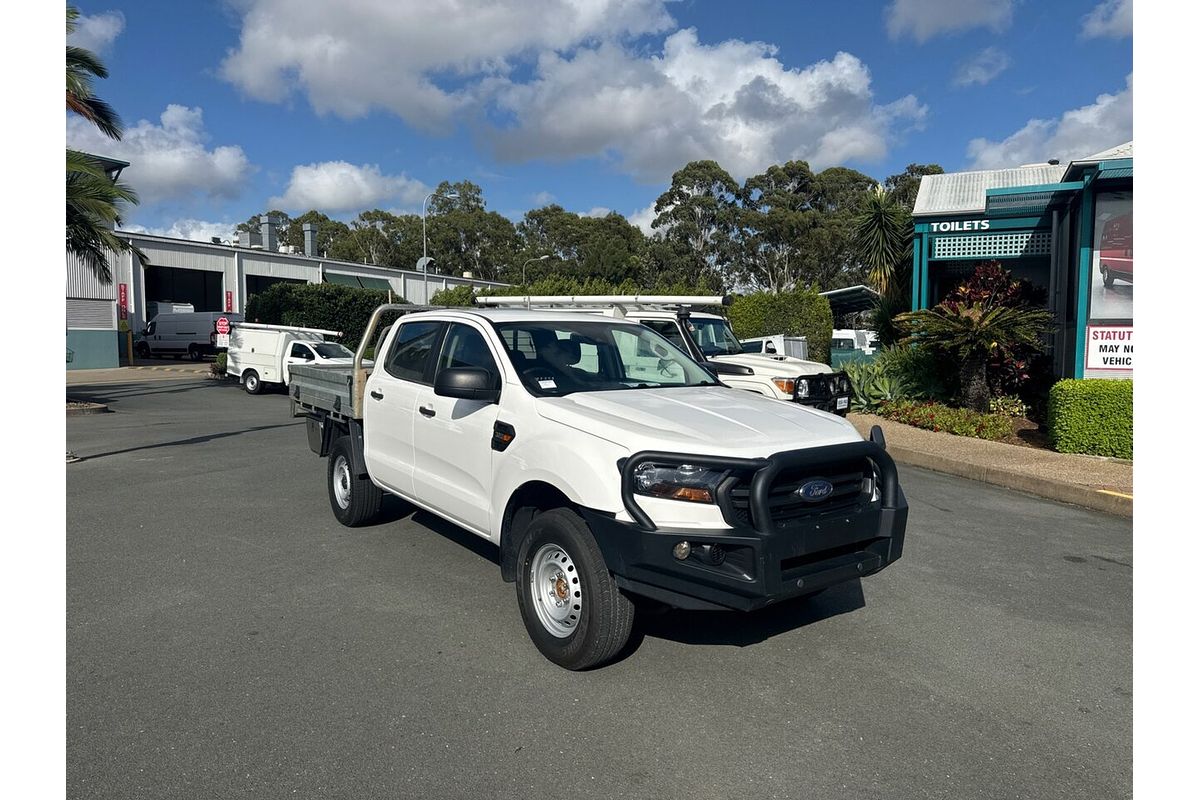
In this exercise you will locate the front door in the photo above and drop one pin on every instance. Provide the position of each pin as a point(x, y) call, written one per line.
point(454, 437)
point(298, 353)
point(390, 403)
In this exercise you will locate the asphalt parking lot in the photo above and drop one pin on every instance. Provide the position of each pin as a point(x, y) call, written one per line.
point(227, 638)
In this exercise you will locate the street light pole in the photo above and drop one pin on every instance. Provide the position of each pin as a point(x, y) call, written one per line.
point(528, 261)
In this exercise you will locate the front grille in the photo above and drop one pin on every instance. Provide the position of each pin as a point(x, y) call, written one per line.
point(785, 505)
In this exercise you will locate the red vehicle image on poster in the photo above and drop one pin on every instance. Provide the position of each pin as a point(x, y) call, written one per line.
point(1116, 250)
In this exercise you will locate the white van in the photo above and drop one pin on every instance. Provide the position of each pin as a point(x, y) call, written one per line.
point(264, 354)
point(192, 334)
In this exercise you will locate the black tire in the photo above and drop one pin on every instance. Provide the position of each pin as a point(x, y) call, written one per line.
point(251, 382)
point(1108, 278)
point(141, 350)
point(194, 353)
point(605, 616)
point(355, 501)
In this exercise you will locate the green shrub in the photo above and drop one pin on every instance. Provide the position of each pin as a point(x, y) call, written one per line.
point(873, 385)
point(1093, 416)
point(959, 421)
point(457, 296)
point(219, 366)
point(318, 305)
point(926, 377)
point(1008, 405)
point(799, 313)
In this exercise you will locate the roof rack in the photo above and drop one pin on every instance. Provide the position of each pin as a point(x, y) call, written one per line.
point(622, 301)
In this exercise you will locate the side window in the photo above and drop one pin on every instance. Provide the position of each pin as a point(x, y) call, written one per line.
point(669, 329)
point(300, 351)
point(465, 347)
point(410, 350)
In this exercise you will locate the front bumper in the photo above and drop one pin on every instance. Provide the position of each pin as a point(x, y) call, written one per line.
point(826, 392)
point(765, 558)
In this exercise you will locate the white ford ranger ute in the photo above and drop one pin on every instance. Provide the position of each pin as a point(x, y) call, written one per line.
point(604, 462)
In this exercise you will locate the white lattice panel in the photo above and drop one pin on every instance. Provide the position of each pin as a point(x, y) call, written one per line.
point(993, 245)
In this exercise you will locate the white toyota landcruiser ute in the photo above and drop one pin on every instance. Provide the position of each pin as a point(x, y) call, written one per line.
point(605, 463)
point(709, 339)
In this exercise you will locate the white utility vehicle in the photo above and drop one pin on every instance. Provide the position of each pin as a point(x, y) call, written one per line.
point(709, 339)
point(604, 462)
point(260, 355)
point(794, 346)
point(191, 333)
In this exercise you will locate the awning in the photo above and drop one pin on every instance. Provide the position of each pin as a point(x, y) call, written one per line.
point(358, 281)
point(851, 299)
point(1029, 201)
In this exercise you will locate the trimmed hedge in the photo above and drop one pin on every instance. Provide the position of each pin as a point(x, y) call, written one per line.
point(318, 305)
point(959, 421)
point(799, 313)
point(1093, 416)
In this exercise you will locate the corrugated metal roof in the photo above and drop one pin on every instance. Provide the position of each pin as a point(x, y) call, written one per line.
point(966, 192)
point(1111, 154)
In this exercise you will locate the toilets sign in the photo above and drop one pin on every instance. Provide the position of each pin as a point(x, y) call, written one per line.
point(960, 225)
point(1110, 348)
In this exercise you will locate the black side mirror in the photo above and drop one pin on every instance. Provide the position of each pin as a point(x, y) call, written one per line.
point(468, 383)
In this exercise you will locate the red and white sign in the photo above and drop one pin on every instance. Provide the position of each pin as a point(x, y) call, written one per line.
point(222, 326)
point(122, 301)
point(1109, 348)
point(228, 302)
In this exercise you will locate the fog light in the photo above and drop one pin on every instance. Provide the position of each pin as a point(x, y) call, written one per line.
point(682, 550)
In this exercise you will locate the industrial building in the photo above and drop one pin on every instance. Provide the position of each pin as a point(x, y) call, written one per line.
point(209, 276)
point(1066, 228)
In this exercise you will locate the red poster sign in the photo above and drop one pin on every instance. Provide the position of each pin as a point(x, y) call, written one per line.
point(228, 302)
point(122, 301)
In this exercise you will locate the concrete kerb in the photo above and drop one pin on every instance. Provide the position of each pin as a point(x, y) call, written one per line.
point(1109, 502)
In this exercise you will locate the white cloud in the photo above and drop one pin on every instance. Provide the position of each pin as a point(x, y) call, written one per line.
point(983, 68)
point(168, 161)
point(197, 230)
point(644, 218)
point(1076, 134)
point(1112, 18)
point(597, 211)
point(97, 32)
point(733, 102)
point(925, 19)
point(386, 53)
point(542, 199)
point(334, 186)
point(598, 87)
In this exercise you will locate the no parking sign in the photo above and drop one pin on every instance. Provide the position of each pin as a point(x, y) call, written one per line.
point(222, 332)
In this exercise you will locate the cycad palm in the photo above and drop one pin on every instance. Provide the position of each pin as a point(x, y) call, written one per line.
point(93, 200)
point(972, 333)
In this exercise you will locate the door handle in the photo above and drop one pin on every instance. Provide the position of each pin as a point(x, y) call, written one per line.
point(376, 395)
point(426, 411)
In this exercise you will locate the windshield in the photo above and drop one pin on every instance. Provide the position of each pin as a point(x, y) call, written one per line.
point(714, 337)
point(331, 350)
point(561, 357)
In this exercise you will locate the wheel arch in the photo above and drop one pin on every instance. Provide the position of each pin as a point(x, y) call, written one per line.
point(529, 499)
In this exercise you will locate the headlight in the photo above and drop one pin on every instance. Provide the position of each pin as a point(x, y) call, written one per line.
point(802, 387)
point(785, 385)
point(683, 482)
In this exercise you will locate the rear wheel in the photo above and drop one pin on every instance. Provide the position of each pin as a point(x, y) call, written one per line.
point(355, 501)
point(1108, 278)
point(251, 382)
point(194, 353)
point(571, 606)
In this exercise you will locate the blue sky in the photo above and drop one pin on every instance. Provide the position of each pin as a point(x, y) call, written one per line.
point(233, 108)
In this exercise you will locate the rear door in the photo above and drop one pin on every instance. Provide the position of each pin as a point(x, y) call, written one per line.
point(390, 402)
point(453, 437)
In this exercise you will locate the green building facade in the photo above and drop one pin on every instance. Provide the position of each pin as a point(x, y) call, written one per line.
point(1067, 229)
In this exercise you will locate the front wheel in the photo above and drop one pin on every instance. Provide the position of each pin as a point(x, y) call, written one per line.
point(571, 606)
point(1108, 278)
point(251, 382)
point(141, 350)
point(355, 501)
